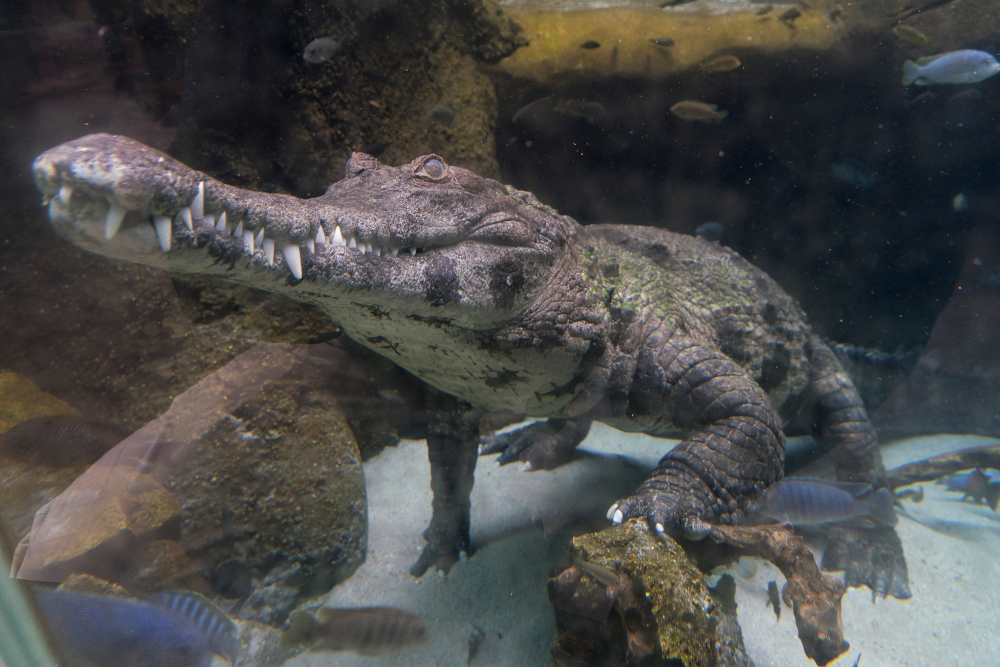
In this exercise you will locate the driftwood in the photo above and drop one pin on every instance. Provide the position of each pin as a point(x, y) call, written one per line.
point(814, 597)
point(930, 469)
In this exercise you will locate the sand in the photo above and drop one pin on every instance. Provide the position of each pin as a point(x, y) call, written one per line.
point(521, 523)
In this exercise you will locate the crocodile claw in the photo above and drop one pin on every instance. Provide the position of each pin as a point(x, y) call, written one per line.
point(543, 445)
point(871, 557)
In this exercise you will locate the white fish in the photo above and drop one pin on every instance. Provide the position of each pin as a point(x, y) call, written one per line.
point(804, 502)
point(322, 50)
point(965, 66)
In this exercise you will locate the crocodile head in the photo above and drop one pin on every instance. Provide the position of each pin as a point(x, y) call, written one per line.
point(406, 259)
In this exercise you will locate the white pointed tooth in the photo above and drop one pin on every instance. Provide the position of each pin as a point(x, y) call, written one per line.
point(612, 510)
point(368, 248)
point(617, 518)
point(239, 229)
point(259, 239)
point(248, 242)
point(220, 226)
point(185, 214)
point(351, 243)
point(198, 205)
point(293, 258)
point(65, 192)
point(320, 236)
point(113, 222)
point(338, 239)
point(311, 245)
point(164, 231)
point(268, 247)
point(395, 251)
point(377, 251)
point(413, 251)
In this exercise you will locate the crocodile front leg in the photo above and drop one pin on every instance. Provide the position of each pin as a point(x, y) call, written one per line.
point(452, 440)
point(736, 449)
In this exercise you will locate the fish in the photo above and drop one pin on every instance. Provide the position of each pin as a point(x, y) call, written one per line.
point(966, 66)
point(720, 64)
point(598, 572)
point(591, 111)
point(911, 35)
point(59, 441)
point(215, 626)
point(710, 231)
point(699, 111)
point(976, 485)
point(323, 49)
point(764, 10)
point(790, 15)
point(441, 115)
point(590, 44)
point(663, 41)
point(368, 631)
point(773, 599)
point(960, 203)
point(476, 640)
point(802, 502)
point(90, 629)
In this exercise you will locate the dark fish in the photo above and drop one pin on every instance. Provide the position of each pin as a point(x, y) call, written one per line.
point(710, 231)
point(59, 441)
point(773, 599)
point(699, 111)
point(590, 44)
point(804, 502)
point(764, 10)
point(590, 111)
point(375, 149)
point(441, 115)
point(370, 631)
point(911, 35)
point(790, 15)
point(476, 640)
point(598, 572)
point(976, 485)
point(118, 632)
point(214, 624)
point(721, 64)
point(663, 41)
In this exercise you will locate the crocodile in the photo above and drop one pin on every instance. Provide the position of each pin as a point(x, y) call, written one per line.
point(498, 302)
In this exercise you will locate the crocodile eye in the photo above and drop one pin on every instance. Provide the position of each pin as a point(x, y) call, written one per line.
point(434, 168)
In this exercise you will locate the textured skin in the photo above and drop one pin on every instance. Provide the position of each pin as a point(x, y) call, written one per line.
point(506, 305)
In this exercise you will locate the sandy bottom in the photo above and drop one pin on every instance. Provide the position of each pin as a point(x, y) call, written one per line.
point(521, 524)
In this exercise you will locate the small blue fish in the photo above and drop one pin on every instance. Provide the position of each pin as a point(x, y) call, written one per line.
point(805, 502)
point(965, 66)
point(119, 632)
point(323, 50)
point(977, 485)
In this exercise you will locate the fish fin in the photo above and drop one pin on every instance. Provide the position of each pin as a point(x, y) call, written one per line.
point(301, 630)
point(926, 60)
point(855, 489)
point(719, 116)
point(881, 507)
point(992, 495)
point(327, 614)
point(911, 72)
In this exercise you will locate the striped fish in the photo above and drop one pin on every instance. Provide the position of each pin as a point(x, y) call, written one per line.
point(215, 626)
point(368, 631)
point(802, 502)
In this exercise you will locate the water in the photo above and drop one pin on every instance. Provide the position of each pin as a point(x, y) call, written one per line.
point(278, 457)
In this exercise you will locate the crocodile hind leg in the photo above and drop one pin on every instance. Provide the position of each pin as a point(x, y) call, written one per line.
point(544, 445)
point(452, 439)
point(870, 557)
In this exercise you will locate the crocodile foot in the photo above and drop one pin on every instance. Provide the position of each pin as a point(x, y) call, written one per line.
point(669, 508)
point(871, 557)
point(543, 445)
point(443, 550)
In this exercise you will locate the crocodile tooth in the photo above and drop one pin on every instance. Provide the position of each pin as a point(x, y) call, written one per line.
point(198, 205)
point(185, 214)
point(239, 229)
point(113, 222)
point(293, 258)
point(220, 226)
point(351, 243)
point(320, 236)
point(65, 192)
point(368, 248)
point(413, 251)
point(377, 251)
point(268, 246)
point(259, 239)
point(164, 231)
point(248, 241)
point(395, 251)
point(338, 239)
point(311, 245)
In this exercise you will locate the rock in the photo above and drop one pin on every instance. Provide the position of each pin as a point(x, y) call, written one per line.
point(664, 612)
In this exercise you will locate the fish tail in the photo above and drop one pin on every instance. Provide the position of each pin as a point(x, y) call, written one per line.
point(720, 115)
point(911, 72)
point(881, 507)
point(992, 495)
